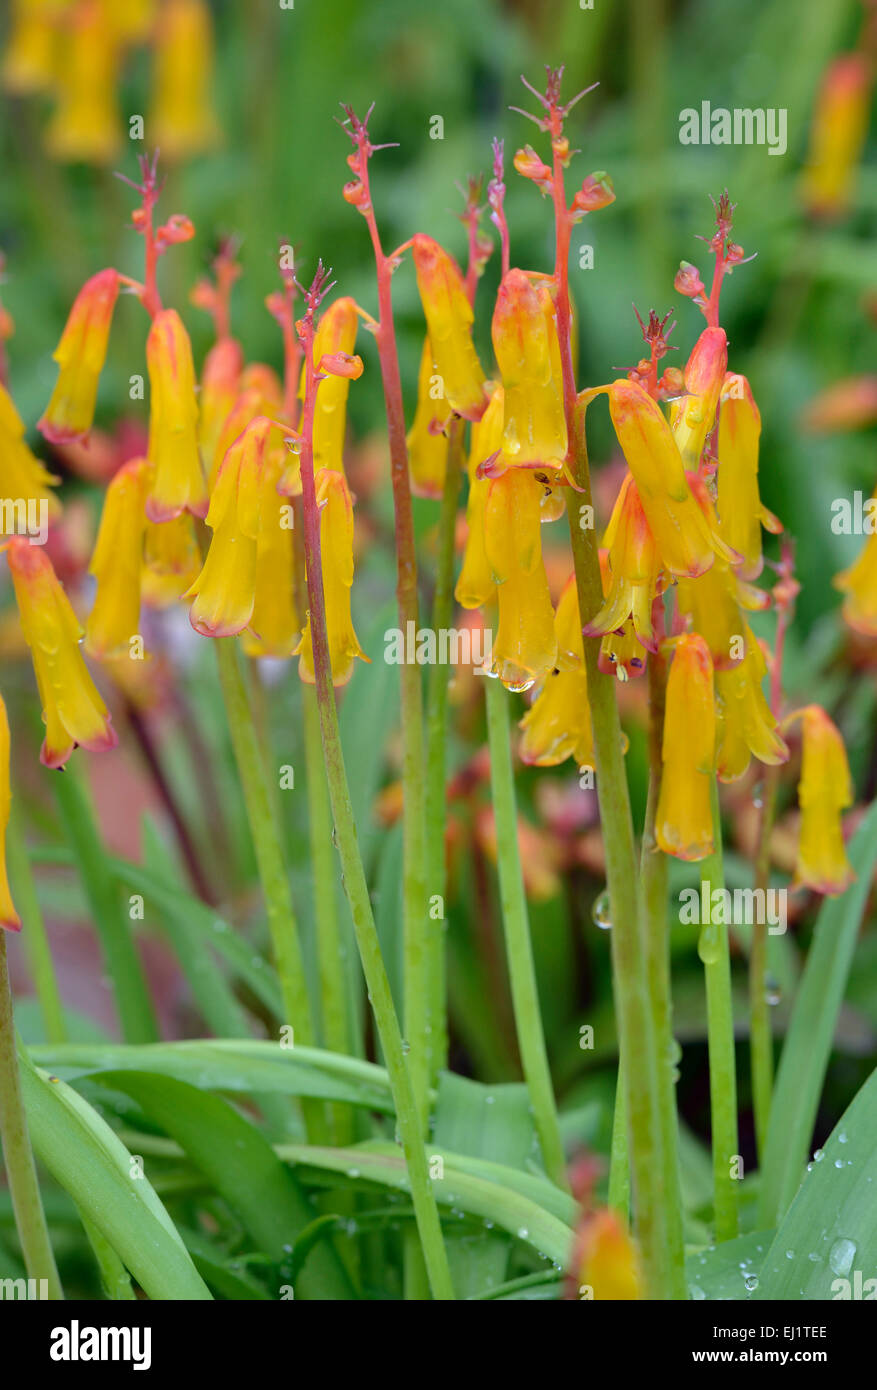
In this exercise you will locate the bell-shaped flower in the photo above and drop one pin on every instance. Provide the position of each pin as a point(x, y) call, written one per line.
point(824, 793)
point(81, 354)
point(29, 61)
point(177, 482)
point(747, 726)
point(694, 414)
point(741, 514)
point(528, 356)
point(182, 120)
point(449, 320)
point(117, 563)
point(220, 384)
point(23, 478)
point(525, 647)
point(336, 333)
point(336, 551)
point(9, 918)
point(859, 584)
point(634, 569)
point(838, 134)
point(85, 124)
point(608, 1262)
point(427, 441)
point(684, 822)
point(73, 711)
point(275, 626)
point(171, 560)
point(558, 723)
point(476, 585)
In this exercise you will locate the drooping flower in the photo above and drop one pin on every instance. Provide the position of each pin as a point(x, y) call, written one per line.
point(22, 476)
point(275, 626)
point(525, 647)
point(117, 563)
point(9, 918)
point(747, 726)
point(171, 560)
point(558, 723)
point(838, 133)
point(81, 354)
point(859, 584)
point(86, 124)
point(694, 414)
point(29, 61)
point(528, 356)
point(336, 332)
point(242, 507)
point(182, 121)
point(824, 792)
point(476, 585)
point(177, 483)
point(336, 549)
point(449, 320)
point(73, 711)
point(634, 569)
point(684, 823)
point(220, 384)
point(427, 441)
point(741, 513)
point(608, 1263)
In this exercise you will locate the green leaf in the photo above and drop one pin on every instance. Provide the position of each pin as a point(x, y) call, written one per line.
point(224, 1273)
point(721, 1272)
point(241, 1165)
point(830, 1230)
point(807, 1047)
point(88, 1160)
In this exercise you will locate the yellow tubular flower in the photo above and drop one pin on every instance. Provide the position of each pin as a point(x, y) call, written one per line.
point(694, 415)
point(824, 792)
point(22, 476)
point(859, 583)
point(837, 138)
point(220, 378)
point(182, 121)
point(684, 823)
point(336, 332)
point(171, 560)
point(81, 354)
point(29, 63)
point(117, 563)
point(275, 627)
point(747, 726)
point(73, 711)
point(9, 918)
point(131, 21)
point(634, 567)
point(449, 320)
point(528, 356)
point(85, 124)
point(710, 601)
point(608, 1260)
point(525, 648)
point(686, 542)
point(336, 549)
point(177, 483)
point(741, 514)
point(224, 592)
point(427, 441)
point(558, 724)
point(476, 584)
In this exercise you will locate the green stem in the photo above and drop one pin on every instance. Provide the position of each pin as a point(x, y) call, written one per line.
point(114, 1277)
point(619, 1159)
point(760, 1037)
point(136, 1014)
point(516, 925)
point(436, 744)
point(42, 968)
point(713, 950)
point(21, 1173)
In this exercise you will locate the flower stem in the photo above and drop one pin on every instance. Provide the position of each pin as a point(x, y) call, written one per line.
point(136, 1014)
point(713, 950)
point(619, 1159)
point(516, 926)
point(36, 941)
point(21, 1173)
point(760, 1036)
point(436, 742)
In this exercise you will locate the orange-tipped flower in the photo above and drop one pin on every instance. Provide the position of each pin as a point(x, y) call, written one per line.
point(449, 319)
point(178, 481)
point(275, 626)
point(528, 356)
point(837, 137)
point(747, 726)
point(9, 918)
point(608, 1264)
point(684, 823)
point(220, 383)
point(558, 724)
point(859, 583)
point(336, 333)
point(336, 549)
point(171, 560)
point(224, 592)
point(824, 792)
point(22, 476)
point(850, 404)
point(182, 121)
point(117, 563)
point(634, 567)
point(694, 414)
point(525, 648)
point(427, 441)
point(476, 584)
point(86, 124)
point(741, 514)
point(686, 541)
point(80, 355)
point(73, 711)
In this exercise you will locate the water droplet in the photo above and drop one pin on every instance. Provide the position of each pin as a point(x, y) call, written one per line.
point(790, 1254)
point(523, 1232)
point(841, 1256)
point(601, 912)
point(819, 1156)
point(709, 943)
point(406, 1046)
point(751, 1281)
point(695, 1292)
point(772, 992)
point(842, 1138)
point(758, 795)
point(489, 1100)
point(674, 1052)
point(353, 1172)
point(814, 1257)
point(838, 1163)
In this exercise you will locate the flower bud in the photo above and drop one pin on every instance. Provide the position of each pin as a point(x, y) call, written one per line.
point(81, 354)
